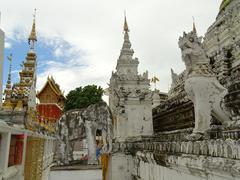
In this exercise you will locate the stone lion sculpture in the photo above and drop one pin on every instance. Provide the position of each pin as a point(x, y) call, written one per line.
point(201, 84)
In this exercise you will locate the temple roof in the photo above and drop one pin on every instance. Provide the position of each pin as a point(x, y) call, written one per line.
point(53, 85)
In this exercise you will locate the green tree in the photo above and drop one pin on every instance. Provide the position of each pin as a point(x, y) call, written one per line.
point(83, 97)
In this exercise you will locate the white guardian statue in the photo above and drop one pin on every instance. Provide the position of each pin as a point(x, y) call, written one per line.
point(201, 84)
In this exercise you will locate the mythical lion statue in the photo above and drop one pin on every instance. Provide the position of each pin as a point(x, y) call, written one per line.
point(201, 84)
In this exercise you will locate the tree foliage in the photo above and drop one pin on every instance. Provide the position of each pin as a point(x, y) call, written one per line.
point(82, 97)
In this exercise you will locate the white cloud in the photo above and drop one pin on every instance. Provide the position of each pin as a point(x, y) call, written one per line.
point(95, 28)
point(72, 70)
point(7, 45)
point(58, 52)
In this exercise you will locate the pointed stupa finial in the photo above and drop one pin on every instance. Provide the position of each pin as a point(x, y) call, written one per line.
point(33, 37)
point(125, 27)
point(126, 48)
point(194, 26)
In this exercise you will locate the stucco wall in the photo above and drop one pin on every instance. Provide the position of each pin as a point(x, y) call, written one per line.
point(156, 172)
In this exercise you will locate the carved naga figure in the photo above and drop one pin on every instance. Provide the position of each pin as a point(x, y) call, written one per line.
point(201, 84)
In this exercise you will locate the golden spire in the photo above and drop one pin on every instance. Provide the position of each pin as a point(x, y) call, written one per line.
point(33, 37)
point(194, 26)
point(125, 27)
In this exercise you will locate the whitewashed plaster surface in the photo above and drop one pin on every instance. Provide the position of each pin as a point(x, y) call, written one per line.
point(155, 172)
point(76, 175)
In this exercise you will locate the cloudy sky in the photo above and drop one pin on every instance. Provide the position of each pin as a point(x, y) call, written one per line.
point(79, 41)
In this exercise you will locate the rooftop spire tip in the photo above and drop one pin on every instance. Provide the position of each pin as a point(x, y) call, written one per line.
point(125, 28)
point(33, 37)
point(194, 26)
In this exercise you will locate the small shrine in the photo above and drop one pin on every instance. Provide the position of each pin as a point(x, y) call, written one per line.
point(51, 104)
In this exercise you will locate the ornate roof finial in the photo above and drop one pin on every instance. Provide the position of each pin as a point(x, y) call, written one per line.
point(33, 37)
point(194, 26)
point(125, 27)
point(126, 48)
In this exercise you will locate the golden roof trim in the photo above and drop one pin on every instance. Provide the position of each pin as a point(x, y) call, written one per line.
point(52, 85)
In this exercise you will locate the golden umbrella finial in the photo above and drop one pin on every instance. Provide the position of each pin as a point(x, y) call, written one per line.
point(154, 80)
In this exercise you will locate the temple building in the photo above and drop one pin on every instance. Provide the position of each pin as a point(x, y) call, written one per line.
point(51, 93)
point(130, 97)
point(51, 104)
point(21, 96)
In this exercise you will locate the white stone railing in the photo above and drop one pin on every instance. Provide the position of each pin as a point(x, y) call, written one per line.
point(192, 167)
point(215, 157)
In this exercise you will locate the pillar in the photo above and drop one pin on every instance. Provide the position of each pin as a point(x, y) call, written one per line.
point(4, 151)
point(91, 140)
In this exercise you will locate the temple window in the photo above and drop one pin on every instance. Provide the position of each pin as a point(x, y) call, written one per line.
point(16, 150)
